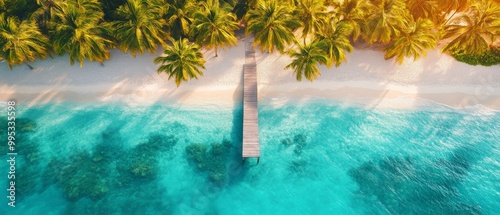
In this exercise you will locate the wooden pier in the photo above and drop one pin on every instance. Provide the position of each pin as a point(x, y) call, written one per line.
point(251, 148)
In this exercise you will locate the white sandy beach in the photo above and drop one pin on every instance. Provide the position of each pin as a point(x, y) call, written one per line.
point(366, 79)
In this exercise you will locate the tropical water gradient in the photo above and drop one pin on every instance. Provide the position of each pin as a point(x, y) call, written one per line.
point(317, 158)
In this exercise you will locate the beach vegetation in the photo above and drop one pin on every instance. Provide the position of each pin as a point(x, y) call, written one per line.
point(475, 31)
point(385, 21)
point(241, 8)
point(352, 13)
point(313, 16)
point(182, 61)
point(77, 29)
point(46, 12)
point(214, 25)
point(87, 29)
point(426, 9)
point(178, 16)
point(139, 26)
point(305, 61)
point(413, 41)
point(488, 58)
point(333, 38)
point(272, 24)
point(21, 41)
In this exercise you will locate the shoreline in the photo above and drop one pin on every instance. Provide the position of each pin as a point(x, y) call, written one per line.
point(365, 79)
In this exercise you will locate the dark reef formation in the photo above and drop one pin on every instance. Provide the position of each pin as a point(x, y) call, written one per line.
point(400, 185)
point(299, 142)
point(212, 159)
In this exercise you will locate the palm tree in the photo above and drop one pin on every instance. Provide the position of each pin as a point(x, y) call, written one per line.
point(473, 32)
point(109, 7)
point(81, 34)
point(241, 8)
point(87, 5)
point(46, 12)
point(183, 61)
point(140, 26)
point(386, 20)
point(18, 8)
point(312, 14)
point(455, 6)
point(21, 41)
point(305, 62)
point(272, 24)
point(333, 38)
point(426, 9)
point(178, 17)
point(413, 41)
point(214, 25)
point(353, 13)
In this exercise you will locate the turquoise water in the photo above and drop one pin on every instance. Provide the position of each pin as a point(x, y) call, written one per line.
point(317, 158)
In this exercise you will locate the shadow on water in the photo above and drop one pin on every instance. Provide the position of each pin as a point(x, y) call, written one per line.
point(236, 168)
point(401, 185)
point(222, 161)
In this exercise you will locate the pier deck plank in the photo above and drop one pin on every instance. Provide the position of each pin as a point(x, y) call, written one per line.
point(251, 147)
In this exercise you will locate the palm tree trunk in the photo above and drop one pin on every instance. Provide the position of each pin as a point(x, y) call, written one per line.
point(216, 55)
point(31, 68)
point(304, 40)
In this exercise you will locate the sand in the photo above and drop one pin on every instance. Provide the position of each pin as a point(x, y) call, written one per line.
point(366, 79)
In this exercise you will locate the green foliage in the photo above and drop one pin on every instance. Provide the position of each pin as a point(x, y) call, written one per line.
point(20, 41)
point(426, 9)
point(305, 61)
point(109, 7)
point(448, 6)
point(183, 61)
point(140, 26)
point(20, 9)
point(273, 25)
point(313, 15)
point(211, 159)
point(214, 25)
point(241, 8)
point(488, 58)
point(86, 29)
point(179, 17)
point(473, 32)
point(334, 40)
point(352, 13)
point(77, 30)
point(414, 41)
point(386, 20)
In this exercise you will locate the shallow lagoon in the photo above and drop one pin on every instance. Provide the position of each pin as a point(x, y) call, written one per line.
point(317, 158)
